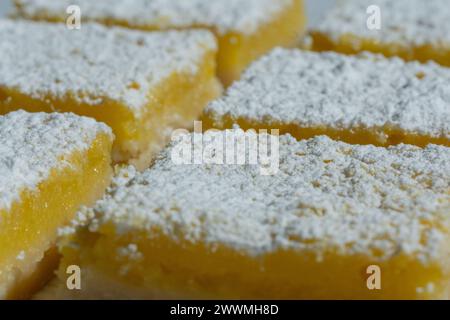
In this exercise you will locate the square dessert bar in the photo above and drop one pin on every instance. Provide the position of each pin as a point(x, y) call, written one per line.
point(245, 28)
point(411, 29)
point(310, 231)
point(140, 84)
point(50, 165)
point(365, 99)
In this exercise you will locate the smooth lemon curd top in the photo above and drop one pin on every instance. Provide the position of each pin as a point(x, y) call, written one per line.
point(382, 137)
point(29, 229)
point(177, 101)
point(163, 268)
point(352, 44)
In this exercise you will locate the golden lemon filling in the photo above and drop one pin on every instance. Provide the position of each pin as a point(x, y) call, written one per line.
point(309, 231)
point(352, 44)
point(237, 51)
point(221, 273)
point(245, 29)
point(379, 136)
point(51, 164)
point(364, 99)
point(412, 30)
point(362, 165)
point(141, 84)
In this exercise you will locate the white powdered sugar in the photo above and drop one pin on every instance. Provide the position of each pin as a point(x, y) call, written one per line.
point(95, 63)
point(340, 92)
point(326, 196)
point(405, 22)
point(244, 16)
point(33, 144)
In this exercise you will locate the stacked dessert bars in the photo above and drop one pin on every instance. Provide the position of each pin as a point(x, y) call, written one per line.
point(363, 159)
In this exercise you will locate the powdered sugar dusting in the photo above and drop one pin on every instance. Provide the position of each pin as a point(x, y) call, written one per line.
point(405, 22)
point(33, 144)
point(95, 63)
point(244, 16)
point(341, 92)
point(327, 196)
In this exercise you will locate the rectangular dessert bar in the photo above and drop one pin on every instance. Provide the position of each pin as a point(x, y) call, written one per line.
point(245, 29)
point(50, 165)
point(411, 29)
point(364, 99)
point(140, 84)
point(310, 231)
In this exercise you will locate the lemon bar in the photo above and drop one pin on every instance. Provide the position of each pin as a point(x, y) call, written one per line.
point(310, 231)
point(411, 29)
point(245, 28)
point(364, 99)
point(50, 165)
point(140, 84)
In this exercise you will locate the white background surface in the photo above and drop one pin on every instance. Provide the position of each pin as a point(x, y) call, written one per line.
point(4, 6)
point(315, 8)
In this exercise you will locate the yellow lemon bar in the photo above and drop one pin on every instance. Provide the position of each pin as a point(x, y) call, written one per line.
point(315, 229)
point(365, 99)
point(50, 165)
point(411, 29)
point(140, 84)
point(245, 28)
